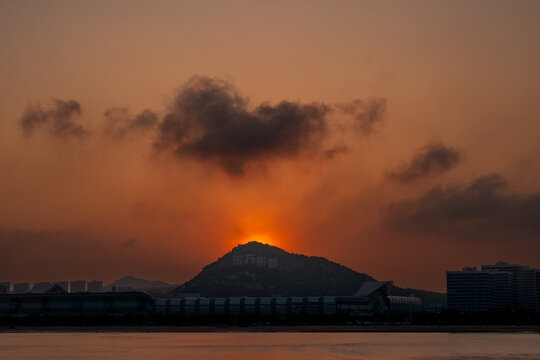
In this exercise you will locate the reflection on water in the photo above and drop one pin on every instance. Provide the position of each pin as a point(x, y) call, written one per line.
point(262, 346)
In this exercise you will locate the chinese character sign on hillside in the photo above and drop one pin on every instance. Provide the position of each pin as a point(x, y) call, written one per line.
point(254, 260)
point(273, 263)
point(238, 260)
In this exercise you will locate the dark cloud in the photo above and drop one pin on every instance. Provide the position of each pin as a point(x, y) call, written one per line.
point(367, 114)
point(120, 122)
point(58, 120)
point(485, 207)
point(336, 150)
point(434, 158)
point(209, 120)
point(145, 120)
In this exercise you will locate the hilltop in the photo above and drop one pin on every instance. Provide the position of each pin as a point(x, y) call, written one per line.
point(256, 269)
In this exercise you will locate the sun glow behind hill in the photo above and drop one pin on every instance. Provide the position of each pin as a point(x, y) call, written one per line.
point(262, 238)
point(257, 226)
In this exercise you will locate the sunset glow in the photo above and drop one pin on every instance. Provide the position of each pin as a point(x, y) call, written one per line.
point(151, 137)
point(262, 238)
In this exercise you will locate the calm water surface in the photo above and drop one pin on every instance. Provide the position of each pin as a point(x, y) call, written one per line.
point(261, 346)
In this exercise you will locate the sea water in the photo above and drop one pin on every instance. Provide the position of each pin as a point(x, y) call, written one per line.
point(261, 346)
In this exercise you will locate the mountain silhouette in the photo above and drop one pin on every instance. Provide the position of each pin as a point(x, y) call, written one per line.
point(137, 283)
point(257, 270)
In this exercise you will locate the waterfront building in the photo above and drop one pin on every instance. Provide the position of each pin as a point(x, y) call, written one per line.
point(95, 286)
point(328, 305)
point(478, 290)
point(190, 306)
point(296, 305)
point(234, 306)
point(175, 306)
point(371, 299)
point(78, 286)
point(523, 284)
point(264, 306)
point(405, 304)
point(312, 305)
point(63, 284)
point(218, 306)
point(52, 298)
point(280, 305)
point(203, 307)
point(538, 290)
point(41, 287)
point(5, 287)
point(21, 288)
point(162, 306)
point(63, 303)
point(249, 305)
point(497, 286)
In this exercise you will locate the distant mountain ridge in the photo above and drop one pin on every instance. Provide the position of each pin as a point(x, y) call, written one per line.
point(256, 269)
point(138, 284)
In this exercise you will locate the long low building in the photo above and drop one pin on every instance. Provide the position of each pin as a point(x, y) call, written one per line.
point(372, 299)
point(77, 304)
point(405, 304)
point(325, 305)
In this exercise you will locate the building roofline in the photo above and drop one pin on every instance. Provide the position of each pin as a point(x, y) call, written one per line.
point(85, 294)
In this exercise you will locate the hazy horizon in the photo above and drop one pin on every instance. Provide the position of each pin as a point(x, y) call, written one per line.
point(399, 139)
point(131, 276)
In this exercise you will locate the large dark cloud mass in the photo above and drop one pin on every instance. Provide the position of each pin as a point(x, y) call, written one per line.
point(119, 122)
point(485, 207)
point(59, 120)
point(434, 158)
point(209, 120)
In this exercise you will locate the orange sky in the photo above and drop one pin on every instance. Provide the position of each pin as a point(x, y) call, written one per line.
point(447, 175)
